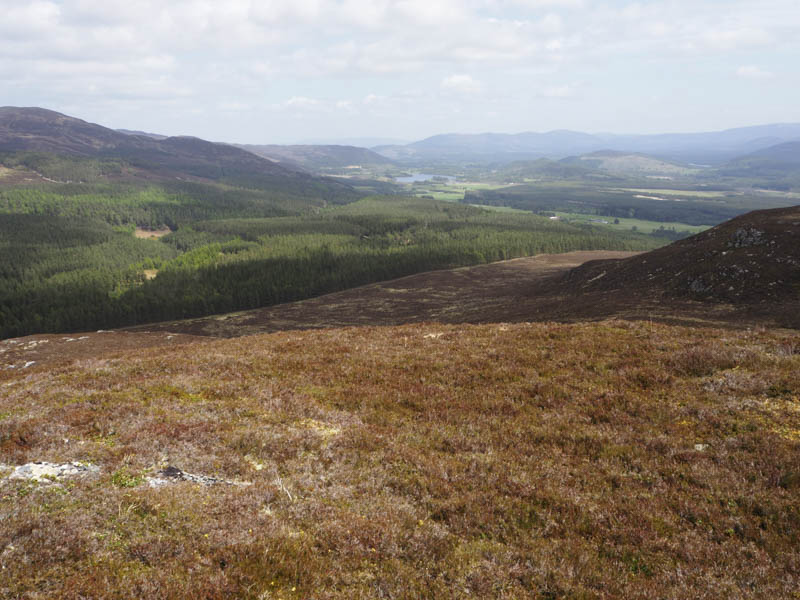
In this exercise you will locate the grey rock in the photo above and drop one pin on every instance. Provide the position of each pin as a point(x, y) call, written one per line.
point(698, 286)
point(47, 471)
point(746, 237)
point(174, 475)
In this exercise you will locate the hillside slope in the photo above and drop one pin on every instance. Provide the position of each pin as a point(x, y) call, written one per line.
point(626, 163)
point(315, 157)
point(782, 160)
point(752, 259)
point(39, 130)
point(489, 147)
point(495, 292)
point(741, 273)
point(607, 460)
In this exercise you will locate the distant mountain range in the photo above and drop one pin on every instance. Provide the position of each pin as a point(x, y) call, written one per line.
point(359, 142)
point(777, 167)
point(748, 151)
point(710, 147)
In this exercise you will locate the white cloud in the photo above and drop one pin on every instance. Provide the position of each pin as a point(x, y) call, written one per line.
point(461, 84)
point(358, 57)
point(303, 103)
point(730, 39)
point(558, 91)
point(754, 72)
point(234, 107)
point(549, 3)
point(22, 20)
point(306, 105)
point(551, 24)
point(437, 13)
point(346, 106)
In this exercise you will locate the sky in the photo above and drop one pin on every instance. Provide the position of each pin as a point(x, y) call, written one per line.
point(291, 71)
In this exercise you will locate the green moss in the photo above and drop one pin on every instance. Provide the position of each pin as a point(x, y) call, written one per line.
point(124, 478)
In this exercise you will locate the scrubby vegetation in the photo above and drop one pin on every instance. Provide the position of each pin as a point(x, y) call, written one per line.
point(607, 460)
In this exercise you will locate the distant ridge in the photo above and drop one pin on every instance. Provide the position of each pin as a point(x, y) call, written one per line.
point(775, 161)
point(155, 136)
point(715, 147)
point(42, 130)
point(318, 156)
point(629, 163)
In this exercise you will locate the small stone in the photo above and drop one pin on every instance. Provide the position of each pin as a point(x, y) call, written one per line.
point(156, 482)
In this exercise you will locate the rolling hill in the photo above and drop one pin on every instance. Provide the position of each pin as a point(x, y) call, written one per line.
point(630, 164)
point(740, 273)
point(491, 147)
point(779, 161)
point(41, 131)
point(318, 157)
point(519, 170)
point(603, 164)
point(750, 261)
point(457, 433)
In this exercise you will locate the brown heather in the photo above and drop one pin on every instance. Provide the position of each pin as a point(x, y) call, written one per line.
point(423, 461)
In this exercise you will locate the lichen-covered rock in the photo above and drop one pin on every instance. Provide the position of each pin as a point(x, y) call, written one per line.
point(746, 237)
point(47, 471)
point(698, 286)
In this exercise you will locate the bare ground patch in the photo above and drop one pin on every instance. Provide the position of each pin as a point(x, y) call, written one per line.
point(151, 234)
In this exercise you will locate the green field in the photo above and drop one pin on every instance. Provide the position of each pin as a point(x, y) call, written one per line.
point(456, 191)
point(629, 224)
point(676, 192)
point(448, 192)
point(502, 209)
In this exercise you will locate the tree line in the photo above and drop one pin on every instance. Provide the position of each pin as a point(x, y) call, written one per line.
point(67, 273)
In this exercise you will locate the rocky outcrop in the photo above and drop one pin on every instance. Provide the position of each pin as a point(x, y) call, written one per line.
point(171, 475)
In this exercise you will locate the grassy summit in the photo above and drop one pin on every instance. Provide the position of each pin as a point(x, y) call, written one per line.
point(602, 460)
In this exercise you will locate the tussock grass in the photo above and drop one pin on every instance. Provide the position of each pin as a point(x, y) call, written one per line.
point(494, 461)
